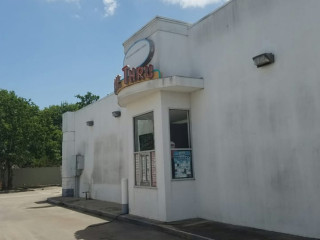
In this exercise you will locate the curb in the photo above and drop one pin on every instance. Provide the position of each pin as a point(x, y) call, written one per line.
point(82, 209)
point(135, 220)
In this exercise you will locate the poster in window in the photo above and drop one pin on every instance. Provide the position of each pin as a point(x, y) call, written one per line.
point(181, 164)
point(137, 169)
point(144, 167)
point(146, 142)
point(153, 170)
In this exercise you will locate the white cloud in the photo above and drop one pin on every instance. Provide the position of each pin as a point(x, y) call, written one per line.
point(76, 16)
point(109, 7)
point(194, 3)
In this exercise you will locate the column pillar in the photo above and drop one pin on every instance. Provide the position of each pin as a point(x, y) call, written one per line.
point(68, 155)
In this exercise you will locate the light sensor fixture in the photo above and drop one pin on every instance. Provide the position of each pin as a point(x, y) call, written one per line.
point(90, 123)
point(116, 114)
point(263, 59)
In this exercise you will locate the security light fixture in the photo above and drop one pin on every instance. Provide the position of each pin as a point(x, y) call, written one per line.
point(263, 59)
point(116, 114)
point(90, 123)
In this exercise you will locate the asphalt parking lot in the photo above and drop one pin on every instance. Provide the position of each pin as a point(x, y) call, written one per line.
point(27, 215)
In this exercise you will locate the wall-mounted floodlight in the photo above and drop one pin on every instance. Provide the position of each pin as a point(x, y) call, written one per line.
point(116, 114)
point(90, 123)
point(263, 59)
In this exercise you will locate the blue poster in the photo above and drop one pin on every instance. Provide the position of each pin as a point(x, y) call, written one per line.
point(182, 164)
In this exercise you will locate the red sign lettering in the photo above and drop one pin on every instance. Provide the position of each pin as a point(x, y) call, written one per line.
point(132, 76)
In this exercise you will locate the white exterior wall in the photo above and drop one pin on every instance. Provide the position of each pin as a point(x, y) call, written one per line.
point(147, 202)
point(171, 199)
point(68, 165)
point(104, 147)
point(255, 139)
point(255, 131)
point(171, 46)
point(180, 194)
point(170, 39)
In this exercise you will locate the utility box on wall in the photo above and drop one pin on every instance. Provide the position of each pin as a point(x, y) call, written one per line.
point(71, 166)
point(79, 164)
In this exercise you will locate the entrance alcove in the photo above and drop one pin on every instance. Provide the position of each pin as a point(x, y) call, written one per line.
point(165, 198)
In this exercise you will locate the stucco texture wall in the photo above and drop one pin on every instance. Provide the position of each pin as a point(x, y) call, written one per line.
point(255, 134)
point(255, 131)
point(103, 146)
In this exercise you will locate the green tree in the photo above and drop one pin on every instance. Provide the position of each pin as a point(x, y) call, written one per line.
point(51, 118)
point(87, 99)
point(19, 124)
point(30, 137)
point(54, 112)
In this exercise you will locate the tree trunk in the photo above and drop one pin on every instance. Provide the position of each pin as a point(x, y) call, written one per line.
point(1, 179)
point(9, 175)
point(3, 176)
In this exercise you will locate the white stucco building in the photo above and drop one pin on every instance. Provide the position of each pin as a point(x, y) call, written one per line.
point(205, 133)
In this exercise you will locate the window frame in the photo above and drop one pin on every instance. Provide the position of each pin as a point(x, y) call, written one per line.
point(151, 176)
point(173, 177)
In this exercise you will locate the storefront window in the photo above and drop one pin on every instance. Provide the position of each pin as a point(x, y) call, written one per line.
point(144, 156)
point(181, 152)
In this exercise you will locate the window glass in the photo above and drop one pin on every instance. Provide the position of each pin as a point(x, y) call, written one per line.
point(179, 128)
point(181, 152)
point(144, 156)
point(143, 132)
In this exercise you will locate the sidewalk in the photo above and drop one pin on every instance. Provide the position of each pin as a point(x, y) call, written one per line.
point(195, 229)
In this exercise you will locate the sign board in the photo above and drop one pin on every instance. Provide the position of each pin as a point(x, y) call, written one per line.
point(135, 75)
point(135, 68)
point(181, 164)
point(139, 54)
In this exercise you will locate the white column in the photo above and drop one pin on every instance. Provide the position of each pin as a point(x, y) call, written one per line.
point(124, 196)
point(68, 153)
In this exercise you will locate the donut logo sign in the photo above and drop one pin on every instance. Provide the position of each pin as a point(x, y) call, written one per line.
point(139, 54)
point(136, 67)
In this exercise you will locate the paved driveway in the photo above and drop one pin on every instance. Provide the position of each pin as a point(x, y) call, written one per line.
point(27, 215)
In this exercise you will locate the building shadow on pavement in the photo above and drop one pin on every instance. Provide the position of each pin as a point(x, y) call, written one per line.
point(119, 230)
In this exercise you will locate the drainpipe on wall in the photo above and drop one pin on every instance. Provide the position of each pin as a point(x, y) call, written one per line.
point(78, 171)
point(124, 196)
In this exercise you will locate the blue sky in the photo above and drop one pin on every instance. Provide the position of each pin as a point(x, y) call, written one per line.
point(51, 50)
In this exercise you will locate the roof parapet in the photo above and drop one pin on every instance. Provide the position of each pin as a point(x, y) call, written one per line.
point(158, 24)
